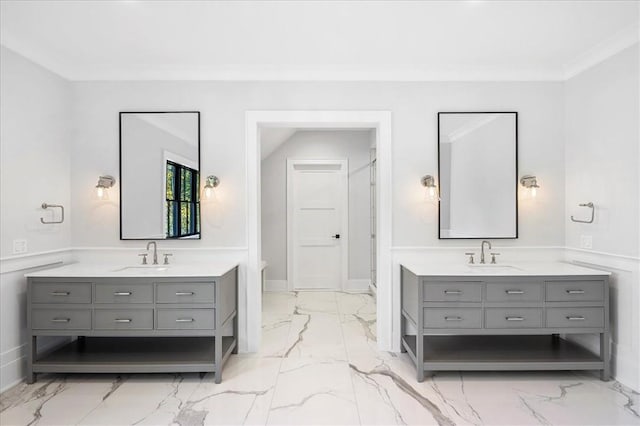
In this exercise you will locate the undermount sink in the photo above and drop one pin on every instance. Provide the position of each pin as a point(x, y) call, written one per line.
point(142, 268)
point(493, 268)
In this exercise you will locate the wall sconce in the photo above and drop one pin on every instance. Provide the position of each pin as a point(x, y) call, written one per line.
point(530, 183)
point(430, 185)
point(211, 183)
point(104, 183)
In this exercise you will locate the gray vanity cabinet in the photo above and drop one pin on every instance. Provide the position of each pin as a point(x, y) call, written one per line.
point(129, 325)
point(504, 322)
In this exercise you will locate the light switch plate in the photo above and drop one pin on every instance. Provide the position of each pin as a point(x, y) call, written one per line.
point(586, 241)
point(19, 246)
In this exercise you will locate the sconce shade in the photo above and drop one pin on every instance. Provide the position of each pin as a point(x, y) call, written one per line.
point(430, 184)
point(530, 183)
point(210, 184)
point(104, 183)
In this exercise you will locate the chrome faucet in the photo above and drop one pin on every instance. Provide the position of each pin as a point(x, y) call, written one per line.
point(155, 251)
point(482, 250)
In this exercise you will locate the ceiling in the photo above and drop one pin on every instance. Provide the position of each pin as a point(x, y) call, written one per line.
point(317, 40)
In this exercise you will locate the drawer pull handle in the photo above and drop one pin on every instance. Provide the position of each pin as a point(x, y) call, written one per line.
point(575, 291)
point(122, 320)
point(185, 320)
point(514, 291)
point(514, 318)
point(452, 292)
point(453, 318)
point(575, 318)
point(184, 293)
point(60, 293)
point(123, 293)
point(61, 320)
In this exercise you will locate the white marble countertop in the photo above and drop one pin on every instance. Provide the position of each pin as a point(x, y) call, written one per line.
point(511, 269)
point(213, 269)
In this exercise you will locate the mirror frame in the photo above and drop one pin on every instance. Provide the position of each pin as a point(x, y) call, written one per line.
point(515, 182)
point(120, 114)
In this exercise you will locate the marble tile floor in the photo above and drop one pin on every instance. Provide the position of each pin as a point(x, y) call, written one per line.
point(318, 365)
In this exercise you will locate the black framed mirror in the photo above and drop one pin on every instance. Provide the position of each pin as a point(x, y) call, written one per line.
point(478, 175)
point(160, 175)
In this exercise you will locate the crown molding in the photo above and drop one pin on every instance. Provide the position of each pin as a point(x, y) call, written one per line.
point(603, 50)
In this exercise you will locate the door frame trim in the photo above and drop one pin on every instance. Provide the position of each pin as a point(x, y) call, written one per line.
point(249, 292)
point(344, 219)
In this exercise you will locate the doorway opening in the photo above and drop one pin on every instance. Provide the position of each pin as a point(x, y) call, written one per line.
point(378, 124)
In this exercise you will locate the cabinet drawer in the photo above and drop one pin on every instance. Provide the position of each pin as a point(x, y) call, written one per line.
point(513, 318)
point(452, 291)
point(43, 292)
point(185, 293)
point(123, 319)
point(514, 292)
point(186, 319)
point(452, 318)
point(567, 291)
point(61, 319)
point(575, 317)
point(124, 293)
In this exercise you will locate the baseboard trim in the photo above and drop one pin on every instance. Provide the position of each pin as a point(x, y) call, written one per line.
point(358, 286)
point(276, 285)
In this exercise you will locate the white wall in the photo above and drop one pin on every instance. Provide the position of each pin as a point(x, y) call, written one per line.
point(35, 112)
point(602, 147)
point(413, 105)
point(353, 145)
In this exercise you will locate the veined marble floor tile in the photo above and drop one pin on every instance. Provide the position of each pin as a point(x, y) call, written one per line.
point(313, 391)
point(356, 303)
point(243, 397)
point(317, 335)
point(143, 399)
point(316, 302)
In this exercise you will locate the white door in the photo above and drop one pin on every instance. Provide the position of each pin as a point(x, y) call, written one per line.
point(317, 220)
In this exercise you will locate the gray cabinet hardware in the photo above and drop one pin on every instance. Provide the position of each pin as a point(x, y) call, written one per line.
point(61, 320)
point(122, 320)
point(453, 292)
point(514, 291)
point(123, 293)
point(572, 318)
point(185, 320)
point(514, 318)
point(453, 318)
point(575, 291)
point(60, 293)
point(184, 293)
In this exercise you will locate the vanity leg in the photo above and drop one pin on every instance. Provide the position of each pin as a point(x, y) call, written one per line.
point(217, 378)
point(605, 374)
point(235, 333)
point(32, 352)
point(419, 357)
point(402, 328)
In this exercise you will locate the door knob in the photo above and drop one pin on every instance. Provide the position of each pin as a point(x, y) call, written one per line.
point(336, 237)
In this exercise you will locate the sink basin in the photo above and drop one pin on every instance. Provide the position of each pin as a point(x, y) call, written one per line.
point(493, 268)
point(141, 269)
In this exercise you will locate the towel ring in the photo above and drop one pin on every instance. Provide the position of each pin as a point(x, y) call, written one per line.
point(591, 206)
point(46, 206)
